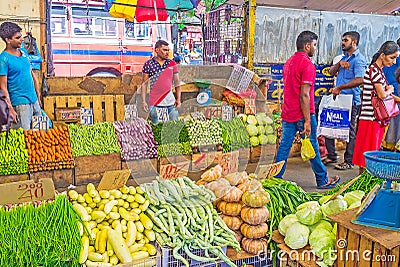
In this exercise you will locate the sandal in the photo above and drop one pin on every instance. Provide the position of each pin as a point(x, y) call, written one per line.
point(326, 186)
point(344, 166)
point(334, 180)
point(328, 161)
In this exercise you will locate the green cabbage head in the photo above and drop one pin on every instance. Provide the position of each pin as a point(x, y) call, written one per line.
point(309, 213)
point(334, 206)
point(297, 236)
point(286, 222)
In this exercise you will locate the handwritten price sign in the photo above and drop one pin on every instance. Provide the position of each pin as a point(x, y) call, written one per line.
point(86, 116)
point(40, 123)
point(114, 179)
point(173, 171)
point(270, 170)
point(26, 191)
point(228, 161)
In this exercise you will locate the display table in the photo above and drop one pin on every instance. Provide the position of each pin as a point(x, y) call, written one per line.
point(360, 245)
point(299, 257)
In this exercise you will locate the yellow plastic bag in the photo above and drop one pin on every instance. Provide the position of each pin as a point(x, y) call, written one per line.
point(307, 150)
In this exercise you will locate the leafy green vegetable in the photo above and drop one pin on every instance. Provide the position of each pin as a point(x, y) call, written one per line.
point(354, 196)
point(309, 213)
point(286, 222)
point(252, 130)
point(297, 236)
point(334, 206)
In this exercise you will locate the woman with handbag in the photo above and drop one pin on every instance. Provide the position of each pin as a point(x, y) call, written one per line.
point(377, 98)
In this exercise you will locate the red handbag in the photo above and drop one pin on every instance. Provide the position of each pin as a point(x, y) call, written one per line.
point(384, 109)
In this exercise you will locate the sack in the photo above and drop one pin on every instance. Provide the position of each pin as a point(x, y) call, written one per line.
point(5, 118)
point(384, 109)
point(334, 116)
point(307, 150)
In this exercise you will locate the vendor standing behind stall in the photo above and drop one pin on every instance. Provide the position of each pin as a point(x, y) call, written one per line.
point(161, 72)
point(17, 80)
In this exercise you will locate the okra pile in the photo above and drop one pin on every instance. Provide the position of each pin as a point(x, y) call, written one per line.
point(13, 153)
point(172, 138)
point(204, 132)
point(185, 219)
point(97, 139)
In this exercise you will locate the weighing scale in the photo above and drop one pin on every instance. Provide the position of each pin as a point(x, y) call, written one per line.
point(381, 207)
point(204, 96)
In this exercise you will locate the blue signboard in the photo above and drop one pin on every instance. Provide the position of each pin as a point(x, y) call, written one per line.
point(323, 80)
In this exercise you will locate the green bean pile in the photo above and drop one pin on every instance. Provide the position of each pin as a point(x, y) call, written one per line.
point(13, 153)
point(234, 135)
point(365, 183)
point(185, 219)
point(42, 235)
point(97, 139)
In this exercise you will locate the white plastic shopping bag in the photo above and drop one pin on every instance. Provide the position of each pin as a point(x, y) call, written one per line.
point(334, 116)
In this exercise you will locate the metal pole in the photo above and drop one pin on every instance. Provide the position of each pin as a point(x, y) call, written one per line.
point(43, 22)
point(158, 37)
point(252, 29)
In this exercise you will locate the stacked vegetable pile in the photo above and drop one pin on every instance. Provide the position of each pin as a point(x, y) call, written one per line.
point(49, 150)
point(185, 219)
point(309, 225)
point(204, 132)
point(172, 138)
point(260, 129)
point(41, 234)
point(242, 203)
point(234, 135)
point(116, 226)
point(136, 139)
point(13, 153)
point(97, 139)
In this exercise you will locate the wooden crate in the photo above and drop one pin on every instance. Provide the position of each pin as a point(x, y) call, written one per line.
point(265, 153)
point(90, 169)
point(105, 107)
point(359, 245)
point(61, 178)
point(13, 178)
point(142, 170)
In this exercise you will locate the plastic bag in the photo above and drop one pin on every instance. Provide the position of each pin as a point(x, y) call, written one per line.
point(307, 150)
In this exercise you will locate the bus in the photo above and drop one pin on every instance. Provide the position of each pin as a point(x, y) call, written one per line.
point(86, 40)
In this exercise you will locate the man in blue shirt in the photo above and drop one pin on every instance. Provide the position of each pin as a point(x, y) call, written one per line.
point(350, 71)
point(17, 80)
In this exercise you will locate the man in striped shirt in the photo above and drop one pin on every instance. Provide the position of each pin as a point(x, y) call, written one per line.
point(350, 71)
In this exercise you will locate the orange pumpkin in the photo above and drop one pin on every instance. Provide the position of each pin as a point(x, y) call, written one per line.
point(231, 209)
point(232, 222)
point(234, 194)
point(254, 216)
point(250, 185)
point(254, 231)
point(256, 199)
point(255, 246)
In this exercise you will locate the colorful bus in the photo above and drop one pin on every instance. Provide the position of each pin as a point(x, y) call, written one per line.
point(86, 40)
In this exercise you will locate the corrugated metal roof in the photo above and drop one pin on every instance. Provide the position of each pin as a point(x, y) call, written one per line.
point(357, 6)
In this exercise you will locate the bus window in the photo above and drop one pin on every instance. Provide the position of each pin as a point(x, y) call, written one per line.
point(105, 27)
point(58, 20)
point(137, 30)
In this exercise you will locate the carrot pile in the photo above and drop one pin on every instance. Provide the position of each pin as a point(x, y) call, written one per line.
point(49, 150)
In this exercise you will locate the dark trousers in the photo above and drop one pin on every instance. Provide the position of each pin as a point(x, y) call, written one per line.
point(330, 143)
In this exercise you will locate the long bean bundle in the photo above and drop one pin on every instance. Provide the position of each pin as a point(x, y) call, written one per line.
point(185, 219)
point(42, 235)
point(365, 183)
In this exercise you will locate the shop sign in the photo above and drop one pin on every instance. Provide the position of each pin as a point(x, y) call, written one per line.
point(240, 79)
point(114, 179)
point(131, 112)
point(40, 123)
point(86, 116)
point(26, 191)
point(176, 170)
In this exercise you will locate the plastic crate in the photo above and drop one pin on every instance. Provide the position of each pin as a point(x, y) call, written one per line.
point(168, 260)
point(262, 260)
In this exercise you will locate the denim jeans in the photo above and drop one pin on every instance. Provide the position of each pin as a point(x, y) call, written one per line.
point(25, 113)
point(289, 130)
point(172, 113)
point(348, 154)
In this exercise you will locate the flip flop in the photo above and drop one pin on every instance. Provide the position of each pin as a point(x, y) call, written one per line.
point(326, 186)
point(328, 161)
point(334, 180)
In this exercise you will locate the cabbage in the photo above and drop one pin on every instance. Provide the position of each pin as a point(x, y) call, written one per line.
point(261, 130)
point(322, 241)
point(334, 206)
point(260, 118)
point(271, 139)
point(309, 213)
point(286, 222)
point(322, 224)
point(334, 229)
point(254, 141)
point(252, 130)
point(323, 199)
point(263, 139)
point(268, 120)
point(251, 119)
point(297, 236)
point(353, 196)
point(268, 129)
point(243, 117)
point(354, 205)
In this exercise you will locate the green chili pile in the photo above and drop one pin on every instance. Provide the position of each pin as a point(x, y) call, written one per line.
point(13, 153)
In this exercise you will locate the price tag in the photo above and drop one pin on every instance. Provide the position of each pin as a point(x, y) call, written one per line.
point(173, 171)
point(249, 106)
point(86, 116)
point(198, 116)
point(228, 161)
point(40, 123)
point(227, 113)
point(26, 191)
point(114, 179)
point(162, 114)
point(199, 162)
point(270, 170)
point(131, 112)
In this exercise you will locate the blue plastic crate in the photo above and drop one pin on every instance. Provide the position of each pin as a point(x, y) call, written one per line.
point(262, 260)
